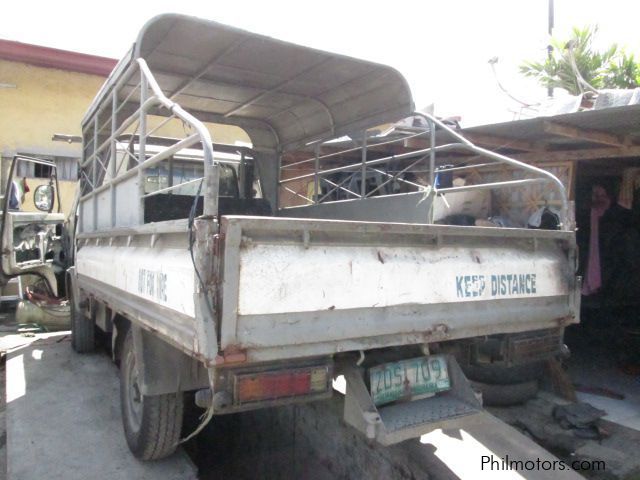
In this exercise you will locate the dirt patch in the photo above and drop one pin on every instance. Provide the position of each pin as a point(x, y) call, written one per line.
point(618, 449)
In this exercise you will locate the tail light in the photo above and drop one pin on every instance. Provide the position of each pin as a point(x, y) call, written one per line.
point(271, 385)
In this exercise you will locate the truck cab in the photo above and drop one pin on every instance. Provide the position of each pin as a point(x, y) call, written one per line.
point(32, 241)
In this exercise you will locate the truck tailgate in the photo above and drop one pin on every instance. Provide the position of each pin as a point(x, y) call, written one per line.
point(300, 287)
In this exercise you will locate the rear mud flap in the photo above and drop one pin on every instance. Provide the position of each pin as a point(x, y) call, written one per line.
point(391, 424)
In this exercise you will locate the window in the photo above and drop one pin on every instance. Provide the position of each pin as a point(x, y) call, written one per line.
point(66, 167)
point(157, 178)
point(41, 171)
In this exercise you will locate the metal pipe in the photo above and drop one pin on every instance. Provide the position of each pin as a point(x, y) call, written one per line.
point(401, 180)
point(126, 151)
point(142, 146)
point(363, 171)
point(211, 168)
point(124, 78)
point(316, 167)
point(349, 150)
point(126, 99)
point(401, 156)
point(86, 177)
point(432, 154)
point(37, 160)
point(449, 130)
point(432, 168)
point(486, 186)
point(160, 125)
point(172, 187)
point(564, 214)
point(122, 104)
point(393, 177)
point(95, 142)
point(157, 158)
point(339, 187)
point(95, 173)
point(113, 159)
point(298, 195)
point(468, 167)
point(125, 124)
point(278, 178)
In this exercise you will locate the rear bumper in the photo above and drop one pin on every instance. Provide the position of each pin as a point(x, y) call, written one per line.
point(330, 332)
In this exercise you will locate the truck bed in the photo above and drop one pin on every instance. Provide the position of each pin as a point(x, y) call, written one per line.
point(301, 287)
point(293, 288)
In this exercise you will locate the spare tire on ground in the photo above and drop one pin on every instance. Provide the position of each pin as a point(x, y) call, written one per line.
point(503, 375)
point(505, 395)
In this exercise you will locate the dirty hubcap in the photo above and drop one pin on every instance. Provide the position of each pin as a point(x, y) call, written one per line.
point(133, 397)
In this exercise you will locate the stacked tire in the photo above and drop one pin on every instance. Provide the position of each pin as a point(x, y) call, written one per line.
point(83, 329)
point(503, 386)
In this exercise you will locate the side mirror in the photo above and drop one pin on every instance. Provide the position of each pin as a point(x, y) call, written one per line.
point(43, 198)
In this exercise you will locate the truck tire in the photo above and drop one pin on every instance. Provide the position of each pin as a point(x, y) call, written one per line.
point(152, 423)
point(502, 375)
point(505, 395)
point(83, 329)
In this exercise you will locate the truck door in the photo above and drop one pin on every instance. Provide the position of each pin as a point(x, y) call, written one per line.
point(31, 240)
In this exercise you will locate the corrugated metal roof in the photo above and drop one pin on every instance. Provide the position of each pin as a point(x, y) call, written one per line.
point(622, 121)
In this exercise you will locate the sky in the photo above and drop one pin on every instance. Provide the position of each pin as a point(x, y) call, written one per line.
point(441, 47)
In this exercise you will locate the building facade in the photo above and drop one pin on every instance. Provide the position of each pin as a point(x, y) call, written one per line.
point(45, 92)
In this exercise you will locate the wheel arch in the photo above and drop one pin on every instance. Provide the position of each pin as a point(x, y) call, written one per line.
point(165, 368)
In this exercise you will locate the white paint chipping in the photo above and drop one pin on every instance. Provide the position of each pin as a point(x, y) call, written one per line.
point(290, 278)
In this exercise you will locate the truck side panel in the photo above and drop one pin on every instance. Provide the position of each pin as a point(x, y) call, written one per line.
point(164, 276)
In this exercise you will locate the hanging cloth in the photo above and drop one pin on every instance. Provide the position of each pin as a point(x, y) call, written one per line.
point(593, 277)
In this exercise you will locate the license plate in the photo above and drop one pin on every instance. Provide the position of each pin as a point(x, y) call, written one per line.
point(408, 379)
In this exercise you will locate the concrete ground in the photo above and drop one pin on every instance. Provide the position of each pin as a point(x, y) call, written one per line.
point(63, 417)
point(311, 441)
point(616, 450)
point(592, 365)
point(63, 421)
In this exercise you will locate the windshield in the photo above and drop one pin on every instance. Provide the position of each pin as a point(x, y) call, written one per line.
point(188, 173)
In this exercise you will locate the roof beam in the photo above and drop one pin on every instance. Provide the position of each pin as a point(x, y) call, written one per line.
point(582, 154)
point(278, 87)
point(563, 155)
point(484, 140)
point(595, 136)
point(212, 61)
point(501, 142)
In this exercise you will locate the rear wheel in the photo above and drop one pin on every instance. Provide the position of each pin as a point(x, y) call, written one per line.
point(83, 329)
point(152, 423)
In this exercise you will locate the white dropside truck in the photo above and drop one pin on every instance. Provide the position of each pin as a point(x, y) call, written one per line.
point(230, 270)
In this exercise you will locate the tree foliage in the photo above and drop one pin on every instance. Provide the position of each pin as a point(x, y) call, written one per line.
point(576, 66)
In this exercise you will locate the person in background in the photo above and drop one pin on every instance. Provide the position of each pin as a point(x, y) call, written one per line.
point(609, 264)
point(608, 243)
point(19, 189)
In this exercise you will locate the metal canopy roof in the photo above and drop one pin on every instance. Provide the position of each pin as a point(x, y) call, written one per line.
point(282, 94)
